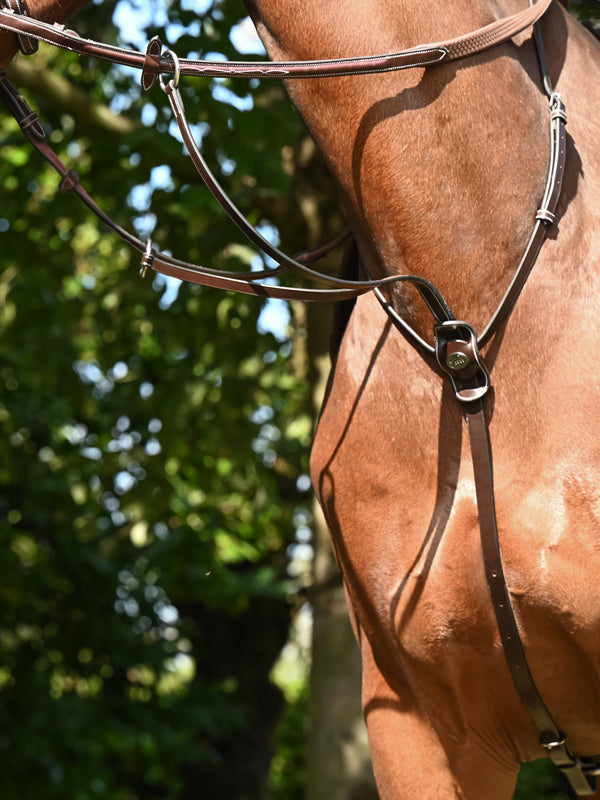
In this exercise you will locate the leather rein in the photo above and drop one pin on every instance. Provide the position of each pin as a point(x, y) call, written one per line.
point(457, 346)
point(155, 63)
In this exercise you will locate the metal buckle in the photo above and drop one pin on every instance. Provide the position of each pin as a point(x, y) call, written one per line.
point(557, 109)
point(549, 741)
point(457, 353)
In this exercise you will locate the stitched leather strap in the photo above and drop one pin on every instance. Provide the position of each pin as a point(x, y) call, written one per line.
point(431, 295)
point(550, 737)
point(250, 283)
point(245, 283)
point(545, 217)
point(426, 55)
point(458, 356)
point(457, 353)
point(18, 107)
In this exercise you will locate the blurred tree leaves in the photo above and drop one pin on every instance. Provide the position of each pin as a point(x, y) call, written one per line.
point(149, 446)
point(586, 9)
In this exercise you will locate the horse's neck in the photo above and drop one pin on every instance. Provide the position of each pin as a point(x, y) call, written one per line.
point(55, 10)
point(45, 10)
point(441, 172)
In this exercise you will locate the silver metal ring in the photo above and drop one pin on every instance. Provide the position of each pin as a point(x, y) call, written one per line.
point(175, 80)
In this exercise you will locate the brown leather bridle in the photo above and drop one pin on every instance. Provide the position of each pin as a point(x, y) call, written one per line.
point(457, 346)
point(154, 63)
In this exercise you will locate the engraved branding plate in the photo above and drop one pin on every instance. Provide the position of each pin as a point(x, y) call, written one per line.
point(457, 361)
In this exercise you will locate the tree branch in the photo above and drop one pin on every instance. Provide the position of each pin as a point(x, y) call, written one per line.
point(61, 93)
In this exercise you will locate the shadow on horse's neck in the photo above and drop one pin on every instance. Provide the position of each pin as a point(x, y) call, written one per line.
point(467, 152)
point(415, 99)
point(442, 170)
point(450, 434)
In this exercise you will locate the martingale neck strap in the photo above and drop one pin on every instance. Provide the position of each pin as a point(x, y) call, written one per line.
point(152, 63)
point(458, 356)
point(261, 282)
point(425, 55)
point(253, 283)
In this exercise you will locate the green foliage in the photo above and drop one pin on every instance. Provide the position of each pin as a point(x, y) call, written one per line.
point(288, 768)
point(148, 459)
point(541, 780)
point(586, 9)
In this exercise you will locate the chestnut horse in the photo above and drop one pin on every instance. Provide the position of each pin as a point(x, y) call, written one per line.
point(442, 172)
point(45, 10)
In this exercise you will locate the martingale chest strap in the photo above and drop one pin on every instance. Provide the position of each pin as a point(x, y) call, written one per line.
point(458, 356)
point(457, 352)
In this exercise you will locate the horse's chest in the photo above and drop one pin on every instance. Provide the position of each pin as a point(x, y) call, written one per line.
point(550, 542)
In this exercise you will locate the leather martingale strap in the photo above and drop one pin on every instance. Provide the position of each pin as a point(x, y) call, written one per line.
point(457, 354)
point(154, 63)
point(582, 780)
point(426, 55)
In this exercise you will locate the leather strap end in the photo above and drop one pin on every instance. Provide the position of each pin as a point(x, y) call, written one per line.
point(151, 67)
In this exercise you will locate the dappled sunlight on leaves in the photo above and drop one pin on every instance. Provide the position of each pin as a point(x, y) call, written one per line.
point(148, 454)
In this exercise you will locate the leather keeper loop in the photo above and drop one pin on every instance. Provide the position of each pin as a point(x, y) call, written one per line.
point(147, 258)
point(33, 121)
point(70, 181)
point(547, 217)
point(151, 68)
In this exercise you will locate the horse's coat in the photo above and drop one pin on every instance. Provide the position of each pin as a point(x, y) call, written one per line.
point(442, 173)
point(45, 10)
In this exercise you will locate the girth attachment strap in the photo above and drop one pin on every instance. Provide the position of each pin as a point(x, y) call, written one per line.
point(458, 355)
